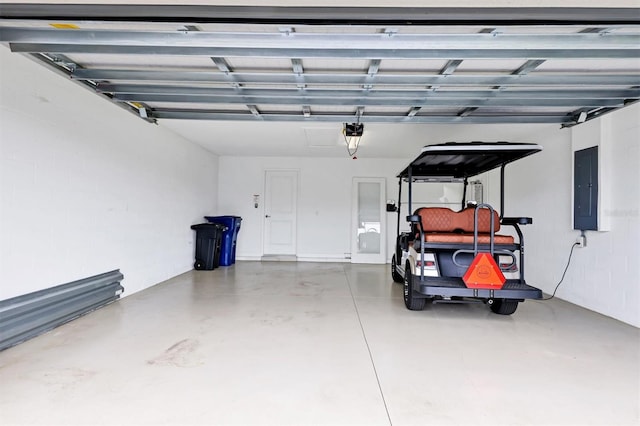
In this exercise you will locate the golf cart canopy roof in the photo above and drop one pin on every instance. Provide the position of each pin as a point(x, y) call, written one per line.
point(454, 160)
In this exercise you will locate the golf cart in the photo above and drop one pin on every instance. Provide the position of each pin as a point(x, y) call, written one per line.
point(458, 256)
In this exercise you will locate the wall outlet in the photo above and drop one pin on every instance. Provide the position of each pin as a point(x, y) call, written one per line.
point(581, 241)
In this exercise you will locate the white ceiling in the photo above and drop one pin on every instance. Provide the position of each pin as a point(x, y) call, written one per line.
point(379, 141)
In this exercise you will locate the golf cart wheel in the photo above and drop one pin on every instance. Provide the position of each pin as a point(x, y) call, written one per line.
point(504, 306)
point(394, 272)
point(410, 301)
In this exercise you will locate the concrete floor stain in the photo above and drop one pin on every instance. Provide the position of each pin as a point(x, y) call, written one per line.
point(181, 354)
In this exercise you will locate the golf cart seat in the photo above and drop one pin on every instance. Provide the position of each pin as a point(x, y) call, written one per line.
point(443, 225)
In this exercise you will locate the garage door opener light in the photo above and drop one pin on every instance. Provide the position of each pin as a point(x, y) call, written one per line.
point(352, 134)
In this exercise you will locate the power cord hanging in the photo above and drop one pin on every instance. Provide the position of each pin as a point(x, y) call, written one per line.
point(563, 273)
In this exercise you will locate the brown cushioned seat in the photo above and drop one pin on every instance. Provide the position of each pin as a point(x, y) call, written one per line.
point(443, 225)
point(451, 237)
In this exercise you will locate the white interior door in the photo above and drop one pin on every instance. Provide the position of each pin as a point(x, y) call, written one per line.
point(280, 208)
point(368, 229)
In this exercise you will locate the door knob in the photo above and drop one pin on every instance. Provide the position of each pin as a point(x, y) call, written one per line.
point(266, 215)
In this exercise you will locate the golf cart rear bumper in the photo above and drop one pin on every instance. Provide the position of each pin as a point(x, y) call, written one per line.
point(454, 287)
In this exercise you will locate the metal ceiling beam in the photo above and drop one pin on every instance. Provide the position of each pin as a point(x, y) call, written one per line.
point(296, 64)
point(365, 101)
point(467, 111)
point(192, 28)
point(502, 16)
point(528, 66)
point(254, 110)
point(61, 61)
point(450, 67)
point(383, 53)
point(374, 67)
point(561, 52)
point(383, 94)
point(598, 41)
point(592, 114)
point(413, 111)
point(298, 70)
point(62, 69)
point(424, 119)
point(524, 69)
point(595, 30)
point(387, 78)
point(226, 70)
point(305, 45)
point(222, 64)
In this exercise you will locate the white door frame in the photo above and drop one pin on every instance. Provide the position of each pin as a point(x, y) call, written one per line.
point(270, 214)
point(357, 257)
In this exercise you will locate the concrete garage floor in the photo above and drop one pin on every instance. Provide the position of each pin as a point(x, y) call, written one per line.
point(301, 343)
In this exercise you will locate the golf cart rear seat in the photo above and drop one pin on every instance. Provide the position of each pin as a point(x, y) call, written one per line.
point(443, 225)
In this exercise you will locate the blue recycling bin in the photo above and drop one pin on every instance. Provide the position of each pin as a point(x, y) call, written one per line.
point(229, 237)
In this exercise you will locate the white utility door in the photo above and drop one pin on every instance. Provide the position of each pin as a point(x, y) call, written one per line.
point(280, 212)
point(368, 226)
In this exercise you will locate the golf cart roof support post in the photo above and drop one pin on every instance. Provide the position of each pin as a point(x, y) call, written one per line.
point(409, 179)
point(464, 194)
point(502, 191)
point(399, 205)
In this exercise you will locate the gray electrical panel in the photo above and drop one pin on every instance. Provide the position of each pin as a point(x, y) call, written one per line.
point(585, 189)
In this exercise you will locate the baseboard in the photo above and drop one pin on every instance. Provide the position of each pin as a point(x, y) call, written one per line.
point(279, 258)
point(249, 258)
point(291, 258)
point(320, 258)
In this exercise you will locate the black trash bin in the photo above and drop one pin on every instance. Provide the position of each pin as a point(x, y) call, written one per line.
point(229, 237)
point(208, 244)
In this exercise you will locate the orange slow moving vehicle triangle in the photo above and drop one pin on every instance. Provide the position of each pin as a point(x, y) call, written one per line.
point(484, 273)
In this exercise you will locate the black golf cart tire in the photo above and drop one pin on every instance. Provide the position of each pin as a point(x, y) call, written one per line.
point(504, 306)
point(394, 272)
point(410, 301)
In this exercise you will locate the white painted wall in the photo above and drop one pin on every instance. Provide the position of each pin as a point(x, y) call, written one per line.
point(86, 187)
point(608, 280)
point(604, 276)
point(324, 201)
